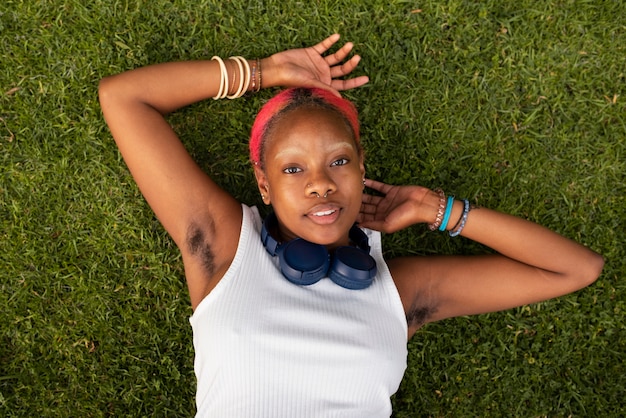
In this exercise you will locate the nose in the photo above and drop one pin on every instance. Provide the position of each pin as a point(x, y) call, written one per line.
point(320, 185)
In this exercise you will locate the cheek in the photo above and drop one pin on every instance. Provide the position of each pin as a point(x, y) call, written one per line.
point(283, 190)
point(354, 180)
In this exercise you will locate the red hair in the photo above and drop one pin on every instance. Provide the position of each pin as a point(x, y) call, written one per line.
point(292, 99)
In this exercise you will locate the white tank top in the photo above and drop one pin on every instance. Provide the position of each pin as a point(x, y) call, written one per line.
point(265, 347)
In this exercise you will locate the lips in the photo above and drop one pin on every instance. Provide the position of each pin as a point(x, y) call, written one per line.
point(324, 214)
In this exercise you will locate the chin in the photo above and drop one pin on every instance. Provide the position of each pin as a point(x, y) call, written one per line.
point(329, 238)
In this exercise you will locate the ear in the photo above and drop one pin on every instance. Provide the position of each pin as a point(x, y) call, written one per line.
point(362, 165)
point(262, 184)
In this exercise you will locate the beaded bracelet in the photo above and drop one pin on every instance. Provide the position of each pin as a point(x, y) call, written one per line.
point(463, 219)
point(442, 206)
point(456, 225)
point(258, 67)
point(253, 75)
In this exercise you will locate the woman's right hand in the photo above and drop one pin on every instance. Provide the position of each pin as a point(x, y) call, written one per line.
point(308, 67)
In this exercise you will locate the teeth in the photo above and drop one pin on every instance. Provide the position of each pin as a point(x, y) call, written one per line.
point(325, 213)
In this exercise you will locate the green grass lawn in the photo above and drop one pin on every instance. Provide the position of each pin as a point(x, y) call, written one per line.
point(518, 105)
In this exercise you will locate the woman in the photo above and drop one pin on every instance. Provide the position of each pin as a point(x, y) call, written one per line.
point(300, 315)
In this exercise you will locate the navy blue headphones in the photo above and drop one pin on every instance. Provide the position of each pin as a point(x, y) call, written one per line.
point(304, 263)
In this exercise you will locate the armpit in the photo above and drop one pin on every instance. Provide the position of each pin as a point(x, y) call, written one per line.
point(199, 247)
point(419, 314)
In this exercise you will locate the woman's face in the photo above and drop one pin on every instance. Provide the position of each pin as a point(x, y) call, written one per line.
point(313, 176)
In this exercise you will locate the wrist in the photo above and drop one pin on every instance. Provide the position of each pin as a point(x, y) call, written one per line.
point(256, 75)
point(441, 212)
point(433, 208)
point(269, 72)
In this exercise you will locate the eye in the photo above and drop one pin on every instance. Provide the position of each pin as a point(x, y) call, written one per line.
point(339, 162)
point(292, 170)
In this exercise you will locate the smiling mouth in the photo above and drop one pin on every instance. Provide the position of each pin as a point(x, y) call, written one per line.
point(324, 215)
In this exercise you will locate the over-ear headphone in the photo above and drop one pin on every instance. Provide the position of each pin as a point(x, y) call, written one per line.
point(304, 263)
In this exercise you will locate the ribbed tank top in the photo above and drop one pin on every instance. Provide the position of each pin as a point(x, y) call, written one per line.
point(265, 347)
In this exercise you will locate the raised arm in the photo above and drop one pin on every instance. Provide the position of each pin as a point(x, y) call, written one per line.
point(200, 216)
point(532, 264)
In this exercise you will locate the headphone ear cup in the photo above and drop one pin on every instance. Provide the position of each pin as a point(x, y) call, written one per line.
point(303, 262)
point(352, 268)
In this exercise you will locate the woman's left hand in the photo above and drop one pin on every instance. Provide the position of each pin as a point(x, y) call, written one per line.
point(398, 208)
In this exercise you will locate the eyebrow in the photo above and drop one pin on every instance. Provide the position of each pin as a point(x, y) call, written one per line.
point(337, 146)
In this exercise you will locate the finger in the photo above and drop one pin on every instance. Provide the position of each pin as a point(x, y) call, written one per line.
point(371, 200)
point(319, 84)
point(326, 44)
point(372, 224)
point(365, 216)
point(367, 209)
point(380, 224)
point(340, 55)
point(345, 68)
point(364, 219)
point(378, 186)
point(352, 83)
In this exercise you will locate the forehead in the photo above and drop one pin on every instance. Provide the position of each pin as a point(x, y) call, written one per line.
point(310, 124)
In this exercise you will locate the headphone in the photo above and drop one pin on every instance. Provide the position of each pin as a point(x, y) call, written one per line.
point(304, 263)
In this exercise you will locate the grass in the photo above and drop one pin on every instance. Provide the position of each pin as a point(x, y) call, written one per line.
point(519, 106)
